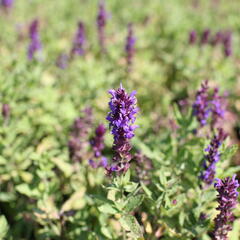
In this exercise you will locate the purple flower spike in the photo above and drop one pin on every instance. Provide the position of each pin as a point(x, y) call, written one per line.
point(7, 3)
point(227, 200)
point(130, 46)
point(200, 107)
point(227, 43)
point(218, 107)
point(212, 157)
point(5, 111)
point(78, 141)
point(35, 44)
point(205, 37)
point(217, 38)
point(207, 105)
point(192, 37)
point(79, 41)
point(101, 24)
point(98, 141)
point(62, 61)
point(122, 117)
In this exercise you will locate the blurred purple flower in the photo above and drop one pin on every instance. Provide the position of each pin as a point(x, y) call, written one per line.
point(62, 61)
point(201, 105)
point(144, 166)
point(5, 111)
point(122, 117)
point(101, 24)
point(7, 3)
point(218, 107)
point(79, 135)
point(212, 157)
point(205, 37)
point(227, 43)
point(79, 41)
point(227, 200)
point(130, 46)
point(103, 163)
point(35, 43)
point(97, 142)
point(207, 105)
point(218, 38)
point(192, 37)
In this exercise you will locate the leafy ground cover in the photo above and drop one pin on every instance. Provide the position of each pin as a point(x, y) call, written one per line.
point(78, 161)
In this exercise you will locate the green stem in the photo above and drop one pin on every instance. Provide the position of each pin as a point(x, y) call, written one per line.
point(122, 197)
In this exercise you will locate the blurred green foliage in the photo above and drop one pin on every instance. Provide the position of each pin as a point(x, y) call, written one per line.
point(43, 195)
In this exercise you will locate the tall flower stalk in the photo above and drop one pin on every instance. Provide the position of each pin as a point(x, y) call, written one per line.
point(97, 143)
point(227, 201)
point(62, 61)
point(192, 38)
point(218, 107)
point(212, 157)
point(201, 105)
point(205, 37)
point(6, 112)
point(79, 41)
point(217, 38)
point(227, 44)
point(121, 122)
point(208, 105)
point(35, 43)
point(130, 46)
point(78, 140)
point(7, 4)
point(101, 24)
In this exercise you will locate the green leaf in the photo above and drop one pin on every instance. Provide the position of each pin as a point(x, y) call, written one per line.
point(234, 234)
point(181, 218)
point(65, 167)
point(7, 197)
point(26, 190)
point(75, 202)
point(229, 152)
point(163, 179)
point(150, 153)
point(229, 171)
point(107, 208)
point(3, 227)
point(126, 177)
point(146, 190)
point(133, 202)
point(130, 187)
point(130, 224)
point(3, 161)
point(105, 231)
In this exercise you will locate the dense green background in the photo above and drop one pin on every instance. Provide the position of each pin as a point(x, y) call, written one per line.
point(45, 100)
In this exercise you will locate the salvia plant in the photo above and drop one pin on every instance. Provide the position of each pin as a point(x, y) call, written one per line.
point(207, 37)
point(227, 199)
point(156, 156)
point(101, 25)
point(7, 3)
point(62, 61)
point(79, 41)
point(35, 43)
point(212, 157)
point(130, 46)
point(209, 105)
